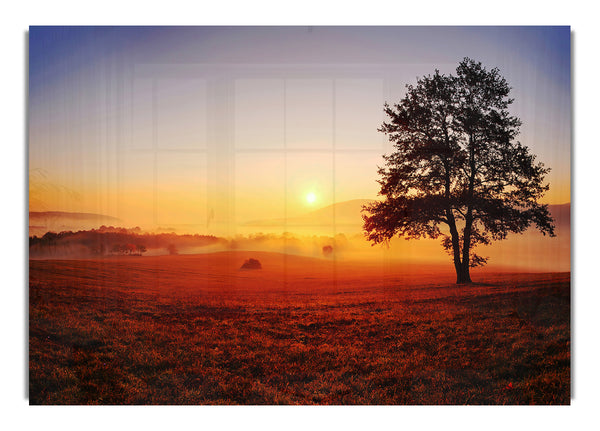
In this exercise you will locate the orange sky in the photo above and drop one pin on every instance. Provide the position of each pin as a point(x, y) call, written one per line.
point(206, 132)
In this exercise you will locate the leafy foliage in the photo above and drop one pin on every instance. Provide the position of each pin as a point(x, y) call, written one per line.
point(457, 171)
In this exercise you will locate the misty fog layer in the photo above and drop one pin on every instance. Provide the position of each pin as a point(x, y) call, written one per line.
point(530, 251)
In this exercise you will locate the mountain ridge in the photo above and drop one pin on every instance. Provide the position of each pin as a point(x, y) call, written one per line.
point(67, 214)
point(348, 213)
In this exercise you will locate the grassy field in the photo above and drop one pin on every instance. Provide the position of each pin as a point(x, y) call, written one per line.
point(198, 330)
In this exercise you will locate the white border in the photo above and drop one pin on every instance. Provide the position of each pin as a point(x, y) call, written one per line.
point(579, 14)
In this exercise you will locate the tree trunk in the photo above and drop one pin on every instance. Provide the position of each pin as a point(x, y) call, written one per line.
point(466, 264)
point(462, 275)
point(465, 277)
point(452, 224)
point(455, 244)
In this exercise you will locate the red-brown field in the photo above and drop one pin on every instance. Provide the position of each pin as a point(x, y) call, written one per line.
point(198, 330)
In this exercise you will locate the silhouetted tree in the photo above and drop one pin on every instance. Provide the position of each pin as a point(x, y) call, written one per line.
point(457, 166)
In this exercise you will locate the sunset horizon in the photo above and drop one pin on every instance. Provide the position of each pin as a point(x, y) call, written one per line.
point(216, 128)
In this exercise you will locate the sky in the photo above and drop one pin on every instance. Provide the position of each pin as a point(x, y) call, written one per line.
point(205, 129)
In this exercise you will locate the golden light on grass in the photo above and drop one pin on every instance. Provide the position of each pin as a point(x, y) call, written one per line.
point(420, 340)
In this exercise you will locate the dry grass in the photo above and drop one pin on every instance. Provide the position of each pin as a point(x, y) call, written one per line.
point(196, 330)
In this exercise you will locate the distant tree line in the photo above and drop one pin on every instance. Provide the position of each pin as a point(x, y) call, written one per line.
point(111, 241)
point(128, 249)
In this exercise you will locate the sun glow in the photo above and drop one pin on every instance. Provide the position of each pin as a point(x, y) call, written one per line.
point(311, 198)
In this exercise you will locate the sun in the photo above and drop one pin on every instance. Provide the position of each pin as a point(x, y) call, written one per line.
point(311, 198)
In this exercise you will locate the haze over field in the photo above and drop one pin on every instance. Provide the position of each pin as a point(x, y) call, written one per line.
point(338, 226)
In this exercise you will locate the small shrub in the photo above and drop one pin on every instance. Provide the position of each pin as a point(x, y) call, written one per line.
point(251, 264)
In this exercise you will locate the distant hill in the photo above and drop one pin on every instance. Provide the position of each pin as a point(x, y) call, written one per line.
point(342, 214)
point(347, 215)
point(54, 215)
point(561, 215)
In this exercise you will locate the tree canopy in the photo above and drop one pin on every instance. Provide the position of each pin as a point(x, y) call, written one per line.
point(457, 171)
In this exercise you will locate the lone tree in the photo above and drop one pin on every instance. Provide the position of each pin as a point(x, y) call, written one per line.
point(457, 171)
